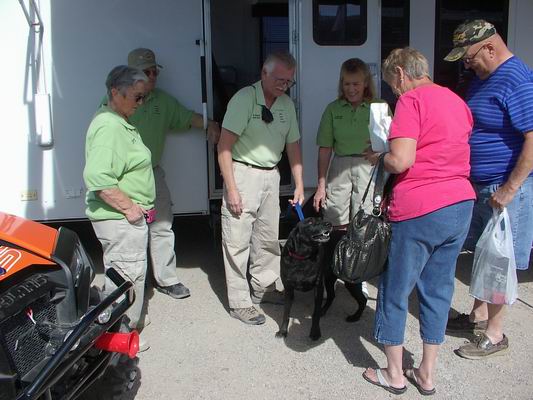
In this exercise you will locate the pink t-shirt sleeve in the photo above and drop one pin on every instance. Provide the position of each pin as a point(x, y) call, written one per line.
point(406, 122)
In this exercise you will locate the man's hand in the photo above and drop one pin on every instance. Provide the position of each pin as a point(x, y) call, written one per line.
point(298, 196)
point(501, 197)
point(213, 132)
point(234, 202)
point(213, 128)
point(319, 201)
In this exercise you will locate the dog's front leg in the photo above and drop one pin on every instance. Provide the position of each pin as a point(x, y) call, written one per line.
point(329, 283)
point(317, 312)
point(284, 326)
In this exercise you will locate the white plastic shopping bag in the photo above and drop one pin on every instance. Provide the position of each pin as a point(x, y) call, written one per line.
point(494, 271)
point(379, 126)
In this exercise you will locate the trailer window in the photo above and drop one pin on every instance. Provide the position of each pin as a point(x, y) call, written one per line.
point(339, 22)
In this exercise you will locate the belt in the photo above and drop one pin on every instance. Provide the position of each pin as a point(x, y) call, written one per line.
point(256, 166)
point(351, 155)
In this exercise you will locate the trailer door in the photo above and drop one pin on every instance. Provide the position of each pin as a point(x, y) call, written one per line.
point(329, 32)
point(60, 54)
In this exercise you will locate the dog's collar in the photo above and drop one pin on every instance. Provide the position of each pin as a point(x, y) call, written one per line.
point(296, 256)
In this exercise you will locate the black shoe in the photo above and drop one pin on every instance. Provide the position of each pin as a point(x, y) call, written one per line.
point(462, 323)
point(178, 291)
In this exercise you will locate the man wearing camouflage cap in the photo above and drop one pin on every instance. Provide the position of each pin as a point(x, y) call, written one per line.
point(159, 114)
point(501, 100)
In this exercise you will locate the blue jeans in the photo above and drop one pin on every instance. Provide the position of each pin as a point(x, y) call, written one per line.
point(423, 253)
point(520, 213)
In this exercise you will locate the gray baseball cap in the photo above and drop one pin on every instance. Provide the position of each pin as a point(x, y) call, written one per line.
point(142, 59)
point(467, 34)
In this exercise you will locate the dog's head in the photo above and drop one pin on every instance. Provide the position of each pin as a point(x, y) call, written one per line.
point(312, 230)
point(302, 254)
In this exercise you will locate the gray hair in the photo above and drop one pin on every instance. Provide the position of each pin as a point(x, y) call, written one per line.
point(123, 77)
point(279, 57)
point(413, 63)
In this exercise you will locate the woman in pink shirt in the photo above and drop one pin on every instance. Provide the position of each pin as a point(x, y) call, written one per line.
point(430, 209)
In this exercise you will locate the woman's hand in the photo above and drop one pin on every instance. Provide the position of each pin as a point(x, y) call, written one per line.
point(371, 156)
point(319, 201)
point(134, 214)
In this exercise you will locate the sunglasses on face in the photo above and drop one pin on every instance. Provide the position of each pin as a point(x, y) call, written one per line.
point(266, 115)
point(151, 72)
point(139, 98)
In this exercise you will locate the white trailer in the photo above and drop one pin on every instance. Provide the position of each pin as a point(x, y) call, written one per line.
point(57, 53)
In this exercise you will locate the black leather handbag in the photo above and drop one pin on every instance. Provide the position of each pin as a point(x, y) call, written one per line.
point(362, 253)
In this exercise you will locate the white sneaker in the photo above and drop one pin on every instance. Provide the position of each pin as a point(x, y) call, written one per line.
point(364, 289)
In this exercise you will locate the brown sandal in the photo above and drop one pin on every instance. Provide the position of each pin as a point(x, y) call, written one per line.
point(410, 374)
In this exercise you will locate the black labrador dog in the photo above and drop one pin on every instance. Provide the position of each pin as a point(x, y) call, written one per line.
point(302, 268)
point(306, 261)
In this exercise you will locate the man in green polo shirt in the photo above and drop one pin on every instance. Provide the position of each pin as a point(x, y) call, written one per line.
point(259, 123)
point(159, 114)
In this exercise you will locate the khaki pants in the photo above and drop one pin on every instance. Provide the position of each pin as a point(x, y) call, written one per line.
point(347, 180)
point(124, 247)
point(251, 236)
point(162, 239)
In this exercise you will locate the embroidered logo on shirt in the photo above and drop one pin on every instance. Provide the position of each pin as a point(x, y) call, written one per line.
point(157, 111)
point(281, 117)
point(337, 117)
point(256, 116)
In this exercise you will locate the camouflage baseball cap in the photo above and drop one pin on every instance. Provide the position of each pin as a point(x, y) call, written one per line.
point(142, 59)
point(467, 34)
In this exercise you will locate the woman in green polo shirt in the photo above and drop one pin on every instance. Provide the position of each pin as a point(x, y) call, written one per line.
point(120, 183)
point(344, 131)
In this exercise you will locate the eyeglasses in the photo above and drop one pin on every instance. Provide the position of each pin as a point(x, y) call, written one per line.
point(151, 71)
point(266, 115)
point(288, 83)
point(468, 60)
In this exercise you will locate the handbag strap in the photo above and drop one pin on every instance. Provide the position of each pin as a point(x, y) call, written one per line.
point(377, 198)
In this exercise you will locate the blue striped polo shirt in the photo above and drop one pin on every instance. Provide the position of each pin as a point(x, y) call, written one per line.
point(502, 106)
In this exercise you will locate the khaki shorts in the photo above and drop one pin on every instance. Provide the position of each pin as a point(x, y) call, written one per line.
point(348, 177)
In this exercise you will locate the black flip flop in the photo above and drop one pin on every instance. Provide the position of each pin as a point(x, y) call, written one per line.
point(411, 377)
point(382, 382)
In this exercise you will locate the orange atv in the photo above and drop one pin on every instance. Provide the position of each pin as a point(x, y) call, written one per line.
point(57, 333)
